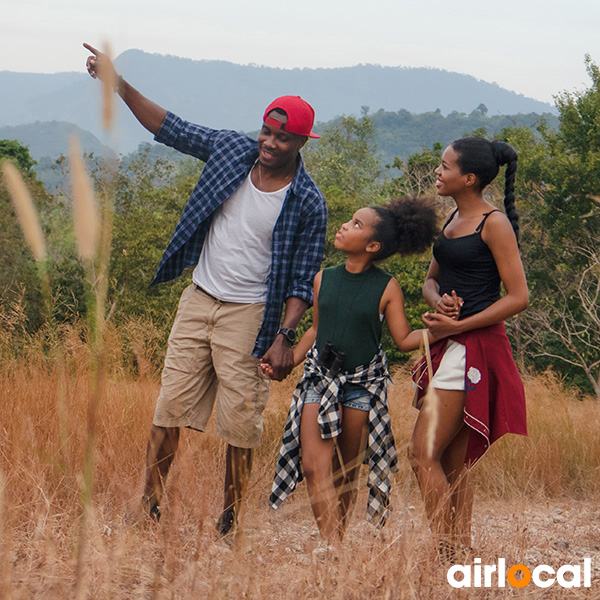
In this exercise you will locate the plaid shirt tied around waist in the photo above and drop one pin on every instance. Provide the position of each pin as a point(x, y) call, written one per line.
point(298, 235)
point(380, 457)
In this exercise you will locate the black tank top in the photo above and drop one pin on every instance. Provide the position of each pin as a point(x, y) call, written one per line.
point(468, 267)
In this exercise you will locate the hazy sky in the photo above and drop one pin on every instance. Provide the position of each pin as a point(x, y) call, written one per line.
point(533, 47)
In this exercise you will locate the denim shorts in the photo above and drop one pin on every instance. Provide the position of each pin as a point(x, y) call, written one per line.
point(351, 396)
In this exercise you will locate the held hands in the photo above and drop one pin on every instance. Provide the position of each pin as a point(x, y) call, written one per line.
point(450, 305)
point(267, 369)
point(440, 326)
point(278, 361)
point(444, 322)
point(99, 66)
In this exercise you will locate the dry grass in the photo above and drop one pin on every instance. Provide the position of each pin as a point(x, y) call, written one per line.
point(536, 500)
point(85, 212)
point(25, 210)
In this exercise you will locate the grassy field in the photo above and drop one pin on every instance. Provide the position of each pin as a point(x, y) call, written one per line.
point(536, 499)
point(73, 427)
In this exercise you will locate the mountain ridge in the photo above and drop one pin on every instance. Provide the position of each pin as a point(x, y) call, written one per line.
point(236, 95)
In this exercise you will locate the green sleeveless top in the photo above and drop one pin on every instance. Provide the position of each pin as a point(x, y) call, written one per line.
point(349, 313)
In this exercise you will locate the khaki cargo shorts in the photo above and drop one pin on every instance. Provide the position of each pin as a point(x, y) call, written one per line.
point(209, 363)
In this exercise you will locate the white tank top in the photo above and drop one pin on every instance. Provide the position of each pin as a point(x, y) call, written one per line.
point(236, 256)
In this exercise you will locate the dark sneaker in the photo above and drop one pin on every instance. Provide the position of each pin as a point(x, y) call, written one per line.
point(446, 552)
point(151, 508)
point(226, 523)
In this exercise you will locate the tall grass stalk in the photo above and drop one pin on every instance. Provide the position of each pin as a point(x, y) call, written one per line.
point(109, 84)
point(93, 242)
point(94, 237)
point(431, 405)
point(26, 212)
point(85, 210)
point(30, 225)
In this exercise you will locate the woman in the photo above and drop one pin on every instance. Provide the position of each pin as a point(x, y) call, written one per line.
point(480, 394)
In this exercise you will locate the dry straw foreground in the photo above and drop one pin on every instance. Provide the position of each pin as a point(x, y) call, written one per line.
point(536, 499)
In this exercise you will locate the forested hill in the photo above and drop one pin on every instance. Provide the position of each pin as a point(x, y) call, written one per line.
point(400, 134)
point(50, 139)
point(396, 133)
point(223, 94)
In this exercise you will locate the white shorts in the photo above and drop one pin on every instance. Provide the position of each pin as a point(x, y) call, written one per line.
point(451, 372)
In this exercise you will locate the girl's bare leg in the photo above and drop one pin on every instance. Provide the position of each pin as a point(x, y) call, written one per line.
point(316, 466)
point(351, 443)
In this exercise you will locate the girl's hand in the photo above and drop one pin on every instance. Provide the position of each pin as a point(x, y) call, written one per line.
point(441, 326)
point(449, 305)
point(432, 337)
point(267, 370)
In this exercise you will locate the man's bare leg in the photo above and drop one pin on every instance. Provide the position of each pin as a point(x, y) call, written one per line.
point(162, 446)
point(238, 464)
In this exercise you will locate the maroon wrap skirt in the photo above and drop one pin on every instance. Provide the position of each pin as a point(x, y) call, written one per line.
point(494, 394)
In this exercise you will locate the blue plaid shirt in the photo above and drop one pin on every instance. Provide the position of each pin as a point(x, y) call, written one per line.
point(298, 235)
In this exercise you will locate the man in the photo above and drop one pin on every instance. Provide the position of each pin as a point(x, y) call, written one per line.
point(254, 228)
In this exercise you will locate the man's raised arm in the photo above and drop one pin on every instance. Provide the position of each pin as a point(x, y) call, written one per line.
point(149, 114)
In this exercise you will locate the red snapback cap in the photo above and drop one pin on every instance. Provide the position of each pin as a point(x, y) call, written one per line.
point(300, 115)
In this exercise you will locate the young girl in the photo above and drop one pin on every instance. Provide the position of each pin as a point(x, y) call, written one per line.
point(341, 399)
point(479, 390)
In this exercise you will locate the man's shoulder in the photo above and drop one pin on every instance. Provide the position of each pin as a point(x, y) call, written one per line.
point(201, 140)
point(229, 137)
point(231, 149)
point(308, 189)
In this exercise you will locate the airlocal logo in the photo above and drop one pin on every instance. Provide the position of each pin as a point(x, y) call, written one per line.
point(543, 576)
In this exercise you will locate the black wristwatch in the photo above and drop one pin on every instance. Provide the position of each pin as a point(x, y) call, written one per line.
point(288, 334)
